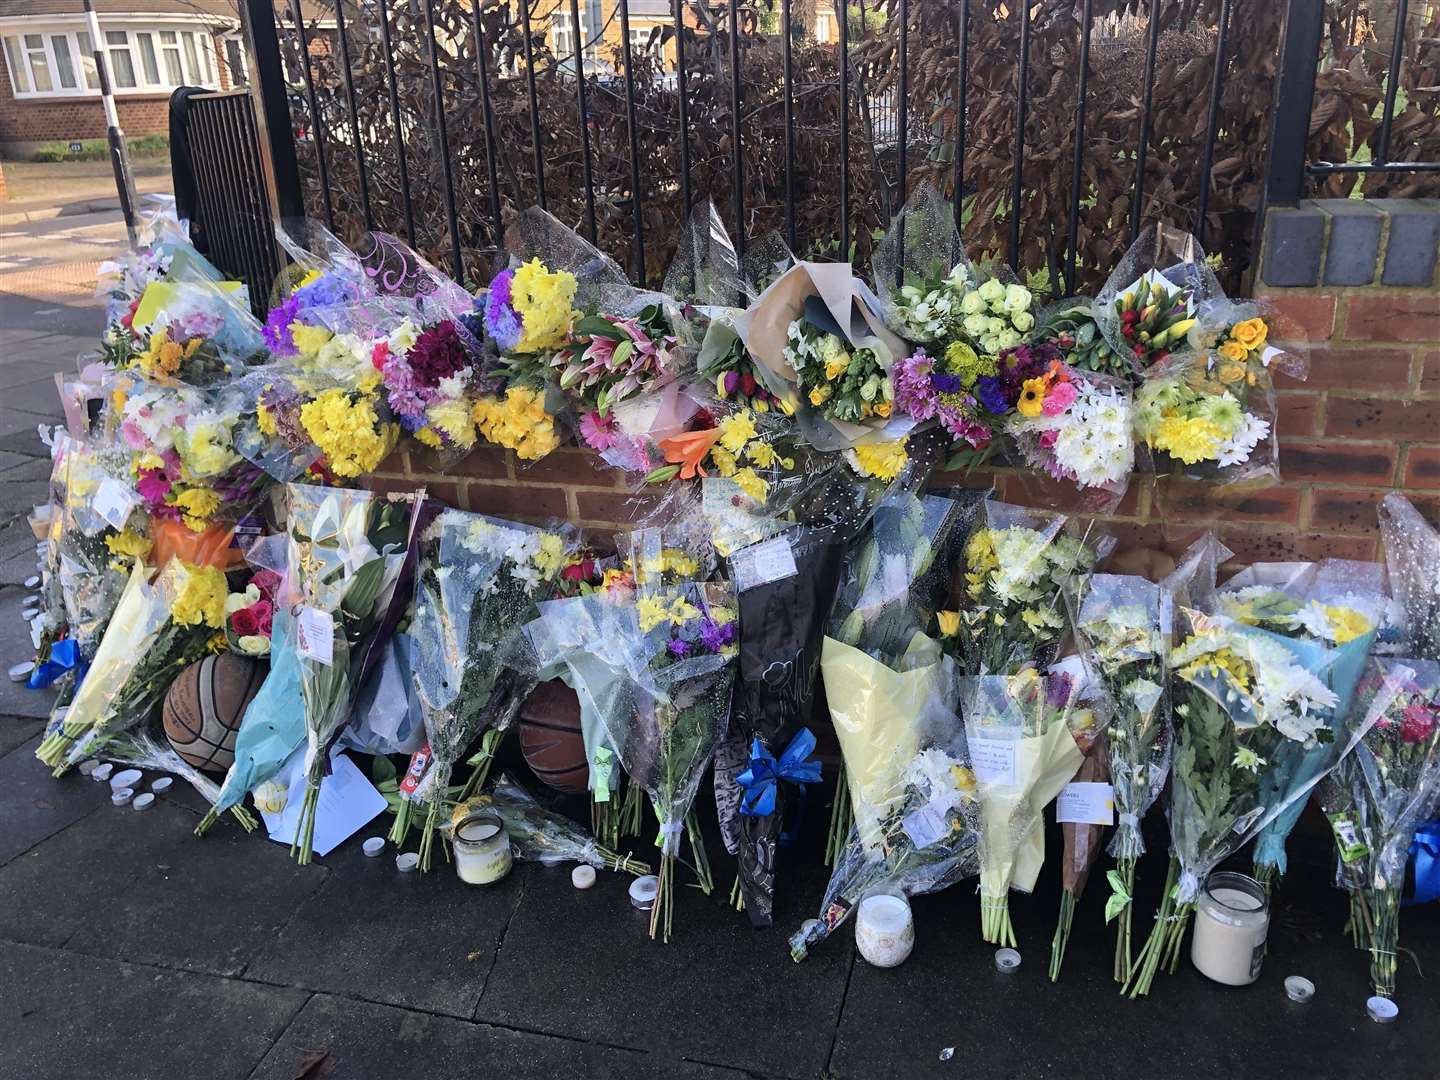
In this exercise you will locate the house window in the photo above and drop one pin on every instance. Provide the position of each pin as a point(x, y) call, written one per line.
point(147, 61)
point(639, 39)
point(235, 61)
point(563, 31)
point(122, 63)
point(822, 29)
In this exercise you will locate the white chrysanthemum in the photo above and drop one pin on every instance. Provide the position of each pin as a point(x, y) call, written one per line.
point(929, 772)
point(1237, 449)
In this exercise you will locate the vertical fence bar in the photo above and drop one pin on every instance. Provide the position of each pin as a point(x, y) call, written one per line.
point(680, 92)
point(1212, 122)
point(632, 130)
point(962, 101)
point(1087, 20)
point(789, 125)
point(274, 125)
point(534, 102)
point(487, 112)
point(347, 76)
point(583, 103)
point(735, 145)
point(903, 109)
point(442, 137)
point(394, 91)
point(842, 18)
point(1146, 106)
point(1017, 178)
point(1290, 120)
point(1392, 82)
point(317, 122)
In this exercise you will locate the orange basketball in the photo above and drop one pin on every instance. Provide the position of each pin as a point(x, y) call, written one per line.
point(204, 706)
point(551, 740)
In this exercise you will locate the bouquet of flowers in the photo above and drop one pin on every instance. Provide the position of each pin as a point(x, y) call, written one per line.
point(429, 379)
point(1212, 419)
point(141, 749)
point(348, 551)
point(1077, 428)
point(926, 815)
point(1082, 831)
point(541, 835)
point(477, 585)
point(1328, 627)
point(1071, 327)
point(192, 331)
point(1014, 564)
point(1160, 290)
point(250, 613)
point(160, 627)
point(1027, 735)
point(1379, 796)
point(1240, 699)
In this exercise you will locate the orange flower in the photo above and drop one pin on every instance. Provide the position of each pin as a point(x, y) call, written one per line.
point(688, 450)
point(1056, 372)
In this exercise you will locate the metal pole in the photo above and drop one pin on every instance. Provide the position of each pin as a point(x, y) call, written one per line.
point(1294, 95)
point(119, 150)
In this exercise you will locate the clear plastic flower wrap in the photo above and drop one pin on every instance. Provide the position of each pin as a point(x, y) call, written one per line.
point(1412, 553)
point(163, 622)
point(476, 586)
point(1071, 326)
point(538, 834)
point(1241, 701)
point(1076, 427)
point(349, 552)
point(142, 749)
point(1254, 332)
point(917, 828)
point(1027, 734)
point(914, 262)
point(1209, 419)
point(1159, 291)
point(1013, 564)
point(655, 664)
point(1378, 798)
point(194, 331)
point(1328, 617)
point(1081, 842)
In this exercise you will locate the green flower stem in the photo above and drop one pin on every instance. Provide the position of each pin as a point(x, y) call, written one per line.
point(401, 828)
point(1124, 957)
point(1385, 940)
point(1062, 934)
point(1142, 972)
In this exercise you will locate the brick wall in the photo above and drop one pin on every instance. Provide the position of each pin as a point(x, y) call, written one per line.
point(1366, 421)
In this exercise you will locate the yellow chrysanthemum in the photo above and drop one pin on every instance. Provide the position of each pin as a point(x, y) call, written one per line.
point(519, 422)
point(197, 506)
point(309, 340)
point(883, 459)
point(349, 434)
point(1346, 623)
point(452, 417)
point(1189, 440)
point(427, 436)
point(545, 300)
point(265, 420)
point(751, 484)
point(128, 543)
point(736, 430)
point(550, 556)
point(760, 453)
point(201, 599)
point(723, 460)
point(652, 611)
point(682, 611)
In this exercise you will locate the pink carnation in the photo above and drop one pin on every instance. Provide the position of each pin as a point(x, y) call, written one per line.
point(1061, 397)
point(1418, 724)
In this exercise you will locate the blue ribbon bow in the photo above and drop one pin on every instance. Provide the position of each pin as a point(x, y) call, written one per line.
point(1425, 853)
point(64, 656)
point(759, 780)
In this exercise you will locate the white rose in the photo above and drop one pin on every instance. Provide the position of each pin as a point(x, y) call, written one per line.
point(1017, 298)
point(1009, 339)
point(975, 325)
point(1023, 321)
point(995, 326)
point(990, 345)
point(255, 644)
point(992, 291)
point(972, 303)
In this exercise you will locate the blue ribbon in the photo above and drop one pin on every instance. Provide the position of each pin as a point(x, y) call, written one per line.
point(64, 656)
point(1425, 853)
point(759, 780)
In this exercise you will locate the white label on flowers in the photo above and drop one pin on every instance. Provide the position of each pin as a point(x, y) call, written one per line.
point(113, 502)
point(764, 563)
point(925, 825)
point(1086, 804)
point(315, 635)
point(993, 759)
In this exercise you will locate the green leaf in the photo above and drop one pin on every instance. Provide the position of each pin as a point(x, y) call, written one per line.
point(382, 769)
point(1119, 895)
point(596, 326)
point(662, 474)
point(622, 353)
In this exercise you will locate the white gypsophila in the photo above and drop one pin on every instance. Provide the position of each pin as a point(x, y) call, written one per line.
point(1238, 448)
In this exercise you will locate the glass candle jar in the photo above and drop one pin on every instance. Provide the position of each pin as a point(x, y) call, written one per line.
point(884, 929)
point(1232, 919)
point(482, 848)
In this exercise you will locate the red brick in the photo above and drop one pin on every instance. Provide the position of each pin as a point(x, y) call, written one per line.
point(1380, 315)
point(1031, 488)
point(1272, 545)
point(1354, 369)
point(1345, 511)
point(394, 465)
point(485, 462)
point(1314, 315)
point(618, 506)
point(533, 502)
point(1339, 463)
point(1430, 373)
point(1274, 505)
point(1297, 413)
point(1365, 418)
point(1422, 467)
point(572, 466)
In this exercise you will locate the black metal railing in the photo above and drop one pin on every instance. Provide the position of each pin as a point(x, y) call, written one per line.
point(436, 119)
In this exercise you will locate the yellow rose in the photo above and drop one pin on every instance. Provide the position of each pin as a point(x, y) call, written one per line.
point(949, 622)
point(1233, 350)
point(1251, 333)
point(819, 395)
point(1232, 372)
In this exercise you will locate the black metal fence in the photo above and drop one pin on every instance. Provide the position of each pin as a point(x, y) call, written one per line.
point(1057, 126)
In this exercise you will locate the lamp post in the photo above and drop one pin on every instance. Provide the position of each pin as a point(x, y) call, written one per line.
point(119, 151)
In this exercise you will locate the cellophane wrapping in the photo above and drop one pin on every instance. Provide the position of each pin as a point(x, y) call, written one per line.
point(538, 834)
point(1165, 280)
point(1412, 553)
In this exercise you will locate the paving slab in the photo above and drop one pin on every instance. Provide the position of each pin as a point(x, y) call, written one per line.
point(15, 731)
point(64, 1016)
point(376, 1042)
point(16, 646)
point(254, 883)
point(38, 806)
point(422, 941)
point(720, 992)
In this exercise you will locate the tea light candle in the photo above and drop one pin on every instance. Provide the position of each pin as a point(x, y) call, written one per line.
point(1232, 920)
point(884, 929)
point(482, 849)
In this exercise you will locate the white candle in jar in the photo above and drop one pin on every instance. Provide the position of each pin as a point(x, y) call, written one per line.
point(884, 929)
point(1232, 919)
point(482, 849)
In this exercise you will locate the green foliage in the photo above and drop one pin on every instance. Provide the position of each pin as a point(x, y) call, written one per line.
point(143, 146)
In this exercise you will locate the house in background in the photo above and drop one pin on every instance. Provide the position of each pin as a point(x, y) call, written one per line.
point(49, 89)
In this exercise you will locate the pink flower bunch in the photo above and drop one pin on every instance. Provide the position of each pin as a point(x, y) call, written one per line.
point(924, 393)
point(1418, 723)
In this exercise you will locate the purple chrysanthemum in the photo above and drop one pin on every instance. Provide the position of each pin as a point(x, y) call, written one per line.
point(715, 636)
point(277, 327)
point(502, 321)
point(678, 648)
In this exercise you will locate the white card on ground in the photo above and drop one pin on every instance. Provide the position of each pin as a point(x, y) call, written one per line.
point(764, 563)
point(114, 501)
point(1086, 803)
point(993, 759)
point(348, 802)
point(315, 635)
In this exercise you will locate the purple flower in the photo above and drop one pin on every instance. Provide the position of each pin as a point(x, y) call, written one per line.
point(715, 636)
point(328, 290)
point(276, 330)
point(678, 648)
point(502, 321)
point(1057, 689)
point(914, 392)
point(947, 384)
point(991, 394)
